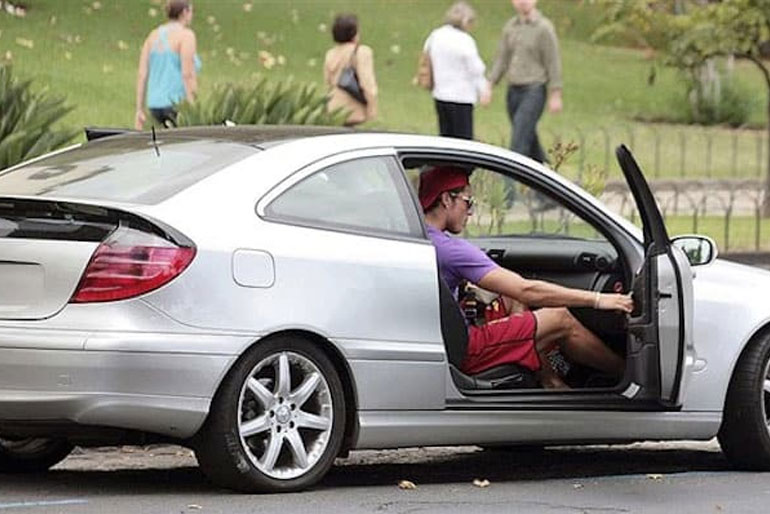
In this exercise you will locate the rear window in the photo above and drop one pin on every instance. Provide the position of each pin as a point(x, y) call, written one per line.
point(123, 169)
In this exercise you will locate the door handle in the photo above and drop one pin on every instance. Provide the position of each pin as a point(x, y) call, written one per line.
point(495, 254)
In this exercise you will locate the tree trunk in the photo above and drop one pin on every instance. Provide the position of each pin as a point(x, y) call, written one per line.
point(766, 202)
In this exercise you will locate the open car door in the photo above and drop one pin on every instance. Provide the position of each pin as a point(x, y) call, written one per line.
point(660, 328)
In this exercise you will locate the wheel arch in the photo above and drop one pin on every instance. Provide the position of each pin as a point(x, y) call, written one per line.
point(762, 331)
point(340, 365)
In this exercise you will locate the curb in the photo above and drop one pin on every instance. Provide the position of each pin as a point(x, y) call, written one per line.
point(751, 258)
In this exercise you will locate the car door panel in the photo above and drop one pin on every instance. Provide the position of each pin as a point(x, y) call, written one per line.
point(661, 324)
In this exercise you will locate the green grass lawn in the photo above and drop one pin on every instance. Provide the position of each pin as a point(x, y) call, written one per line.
point(90, 56)
point(87, 51)
point(742, 233)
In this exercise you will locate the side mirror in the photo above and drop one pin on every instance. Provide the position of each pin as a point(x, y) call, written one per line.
point(700, 250)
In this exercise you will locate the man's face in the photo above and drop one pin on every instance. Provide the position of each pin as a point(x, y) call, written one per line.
point(459, 209)
point(524, 7)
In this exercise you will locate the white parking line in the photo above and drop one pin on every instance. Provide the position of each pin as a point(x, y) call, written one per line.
point(52, 503)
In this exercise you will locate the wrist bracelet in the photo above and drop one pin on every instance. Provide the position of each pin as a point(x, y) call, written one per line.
point(597, 298)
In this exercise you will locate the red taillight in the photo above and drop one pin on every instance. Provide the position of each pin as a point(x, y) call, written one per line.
point(130, 263)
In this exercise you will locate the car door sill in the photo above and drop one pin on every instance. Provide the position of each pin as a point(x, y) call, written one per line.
point(552, 400)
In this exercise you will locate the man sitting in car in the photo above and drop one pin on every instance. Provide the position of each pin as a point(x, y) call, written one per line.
point(526, 337)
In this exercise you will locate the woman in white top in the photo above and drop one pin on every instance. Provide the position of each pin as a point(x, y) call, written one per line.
point(458, 72)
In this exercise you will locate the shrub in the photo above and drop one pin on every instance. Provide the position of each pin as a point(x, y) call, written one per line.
point(26, 119)
point(271, 103)
point(696, 105)
point(731, 105)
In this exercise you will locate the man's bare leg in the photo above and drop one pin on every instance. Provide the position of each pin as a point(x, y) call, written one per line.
point(558, 326)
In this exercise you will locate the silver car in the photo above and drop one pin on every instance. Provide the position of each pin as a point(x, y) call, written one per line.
point(268, 297)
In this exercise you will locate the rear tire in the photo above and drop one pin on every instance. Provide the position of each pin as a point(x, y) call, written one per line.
point(31, 454)
point(278, 420)
point(745, 431)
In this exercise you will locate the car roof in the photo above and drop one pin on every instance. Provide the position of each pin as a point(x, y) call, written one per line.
point(260, 136)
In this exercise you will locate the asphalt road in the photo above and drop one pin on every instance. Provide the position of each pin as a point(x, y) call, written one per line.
point(649, 477)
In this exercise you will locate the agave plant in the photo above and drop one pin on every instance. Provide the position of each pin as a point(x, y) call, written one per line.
point(26, 119)
point(271, 103)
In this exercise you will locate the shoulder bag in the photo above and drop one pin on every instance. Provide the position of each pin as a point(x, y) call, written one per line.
point(348, 80)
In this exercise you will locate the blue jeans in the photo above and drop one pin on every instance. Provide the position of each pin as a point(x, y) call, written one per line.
point(525, 106)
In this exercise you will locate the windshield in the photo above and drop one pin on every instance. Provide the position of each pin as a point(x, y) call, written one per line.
point(127, 170)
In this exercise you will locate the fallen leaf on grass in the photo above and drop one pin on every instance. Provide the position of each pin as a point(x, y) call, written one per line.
point(406, 484)
point(478, 482)
point(26, 43)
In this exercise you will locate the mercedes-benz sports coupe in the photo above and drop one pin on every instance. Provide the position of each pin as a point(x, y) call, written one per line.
point(268, 297)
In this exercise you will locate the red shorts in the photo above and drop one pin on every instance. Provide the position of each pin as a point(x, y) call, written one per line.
point(504, 340)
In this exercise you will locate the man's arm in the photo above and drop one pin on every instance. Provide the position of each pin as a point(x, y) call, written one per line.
point(545, 294)
point(552, 61)
point(502, 58)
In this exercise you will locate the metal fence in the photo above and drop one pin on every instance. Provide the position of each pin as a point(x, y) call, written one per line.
point(706, 180)
point(668, 152)
point(730, 211)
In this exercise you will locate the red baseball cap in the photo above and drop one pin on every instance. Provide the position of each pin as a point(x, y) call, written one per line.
point(438, 179)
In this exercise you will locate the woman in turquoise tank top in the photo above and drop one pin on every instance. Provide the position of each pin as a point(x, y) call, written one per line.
point(168, 67)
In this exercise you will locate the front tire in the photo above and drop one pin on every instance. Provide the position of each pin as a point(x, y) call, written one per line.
point(277, 422)
point(31, 454)
point(745, 432)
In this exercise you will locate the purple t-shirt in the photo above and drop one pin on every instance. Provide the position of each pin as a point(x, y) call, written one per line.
point(458, 259)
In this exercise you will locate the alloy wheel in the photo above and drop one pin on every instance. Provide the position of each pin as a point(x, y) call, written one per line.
point(285, 415)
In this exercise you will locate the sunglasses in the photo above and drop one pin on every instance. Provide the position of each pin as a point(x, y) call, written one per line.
point(469, 200)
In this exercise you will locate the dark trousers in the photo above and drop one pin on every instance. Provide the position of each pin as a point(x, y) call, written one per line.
point(166, 117)
point(525, 106)
point(455, 119)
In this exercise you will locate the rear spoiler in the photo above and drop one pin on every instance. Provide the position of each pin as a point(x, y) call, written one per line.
point(93, 133)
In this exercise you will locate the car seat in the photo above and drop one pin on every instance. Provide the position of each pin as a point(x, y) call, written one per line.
point(455, 334)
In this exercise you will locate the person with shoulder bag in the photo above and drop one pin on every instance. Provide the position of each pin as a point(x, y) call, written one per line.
point(349, 72)
point(450, 66)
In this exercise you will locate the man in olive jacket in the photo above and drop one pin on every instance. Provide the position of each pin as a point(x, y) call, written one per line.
point(528, 57)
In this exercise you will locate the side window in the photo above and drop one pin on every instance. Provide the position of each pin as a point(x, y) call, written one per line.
point(367, 194)
point(509, 207)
